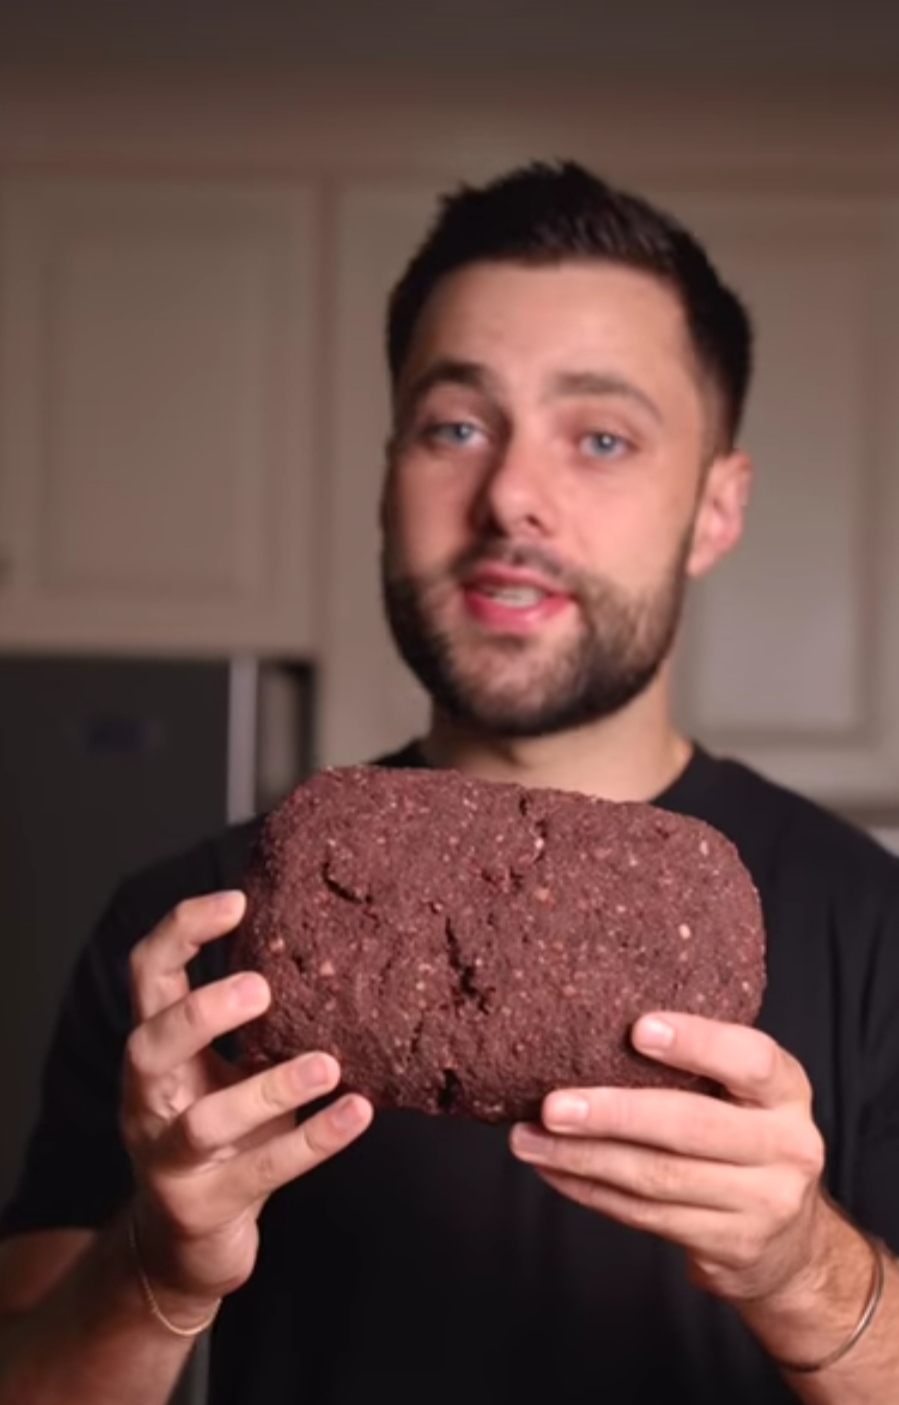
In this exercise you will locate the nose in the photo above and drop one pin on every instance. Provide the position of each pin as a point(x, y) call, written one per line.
point(516, 496)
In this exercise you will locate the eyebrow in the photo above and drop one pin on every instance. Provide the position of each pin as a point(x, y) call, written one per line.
point(469, 374)
point(473, 376)
point(603, 384)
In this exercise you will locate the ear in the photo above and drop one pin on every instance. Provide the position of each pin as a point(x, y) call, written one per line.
point(721, 513)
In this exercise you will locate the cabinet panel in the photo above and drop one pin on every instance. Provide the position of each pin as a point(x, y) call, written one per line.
point(791, 653)
point(371, 701)
point(157, 435)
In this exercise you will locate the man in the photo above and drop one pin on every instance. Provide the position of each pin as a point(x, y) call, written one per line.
point(568, 375)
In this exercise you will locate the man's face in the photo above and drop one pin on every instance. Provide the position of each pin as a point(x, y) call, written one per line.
point(546, 473)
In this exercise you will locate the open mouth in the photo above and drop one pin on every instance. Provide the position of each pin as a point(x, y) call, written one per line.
point(516, 597)
point(509, 605)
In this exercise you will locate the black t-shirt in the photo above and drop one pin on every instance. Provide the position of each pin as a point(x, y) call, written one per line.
point(425, 1263)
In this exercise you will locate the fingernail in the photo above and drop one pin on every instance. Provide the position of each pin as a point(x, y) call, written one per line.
point(229, 905)
point(249, 990)
point(652, 1033)
point(347, 1115)
point(528, 1144)
point(565, 1110)
point(313, 1071)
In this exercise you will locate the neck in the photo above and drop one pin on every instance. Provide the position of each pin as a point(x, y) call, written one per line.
point(633, 755)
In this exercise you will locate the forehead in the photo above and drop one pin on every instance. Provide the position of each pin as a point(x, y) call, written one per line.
point(526, 324)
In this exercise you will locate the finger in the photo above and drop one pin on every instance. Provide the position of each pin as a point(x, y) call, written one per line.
point(169, 1039)
point(691, 1124)
point(254, 1175)
point(700, 1230)
point(158, 974)
point(213, 1127)
point(750, 1065)
point(640, 1171)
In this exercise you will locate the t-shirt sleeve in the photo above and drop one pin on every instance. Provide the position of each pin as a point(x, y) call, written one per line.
point(878, 1170)
point(76, 1172)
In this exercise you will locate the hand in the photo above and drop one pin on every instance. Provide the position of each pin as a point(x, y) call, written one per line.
point(735, 1181)
point(208, 1145)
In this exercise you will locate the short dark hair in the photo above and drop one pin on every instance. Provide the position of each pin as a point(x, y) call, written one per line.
point(556, 212)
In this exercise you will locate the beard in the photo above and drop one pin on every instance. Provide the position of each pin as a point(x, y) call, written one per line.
point(511, 685)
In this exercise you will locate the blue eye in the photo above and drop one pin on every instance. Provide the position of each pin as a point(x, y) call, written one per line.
point(451, 432)
point(602, 444)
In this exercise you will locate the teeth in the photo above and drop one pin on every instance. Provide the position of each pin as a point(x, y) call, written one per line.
point(518, 596)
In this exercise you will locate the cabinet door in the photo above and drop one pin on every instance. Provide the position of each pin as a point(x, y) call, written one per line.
point(790, 656)
point(370, 701)
point(156, 416)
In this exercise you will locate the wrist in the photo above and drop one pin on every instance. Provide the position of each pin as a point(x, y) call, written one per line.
point(816, 1309)
point(800, 1286)
point(866, 1317)
point(182, 1311)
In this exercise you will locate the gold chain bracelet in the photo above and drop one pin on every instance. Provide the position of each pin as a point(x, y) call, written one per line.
point(150, 1297)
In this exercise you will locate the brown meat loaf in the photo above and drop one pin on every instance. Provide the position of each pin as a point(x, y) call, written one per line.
point(464, 946)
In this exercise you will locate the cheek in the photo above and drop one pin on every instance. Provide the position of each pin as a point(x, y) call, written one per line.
point(630, 536)
point(424, 517)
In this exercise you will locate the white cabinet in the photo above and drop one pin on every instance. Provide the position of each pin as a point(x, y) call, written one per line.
point(791, 653)
point(158, 434)
point(370, 701)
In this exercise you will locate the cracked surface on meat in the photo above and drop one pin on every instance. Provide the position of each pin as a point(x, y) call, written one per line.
point(465, 947)
point(465, 986)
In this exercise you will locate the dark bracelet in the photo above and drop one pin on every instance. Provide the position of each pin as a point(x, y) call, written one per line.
point(872, 1302)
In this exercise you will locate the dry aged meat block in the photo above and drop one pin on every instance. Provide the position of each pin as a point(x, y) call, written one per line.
point(465, 946)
